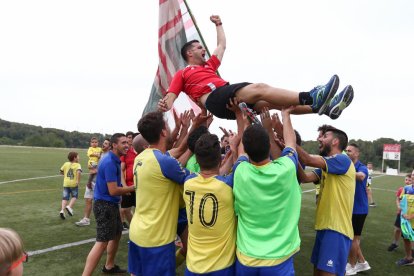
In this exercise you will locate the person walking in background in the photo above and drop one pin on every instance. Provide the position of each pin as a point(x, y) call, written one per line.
point(71, 172)
point(357, 262)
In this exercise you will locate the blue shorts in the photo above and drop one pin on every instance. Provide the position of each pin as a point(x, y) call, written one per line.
point(151, 260)
point(67, 192)
point(330, 252)
point(228, 271)
point(283, 269)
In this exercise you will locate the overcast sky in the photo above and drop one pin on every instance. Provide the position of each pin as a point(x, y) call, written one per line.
point(89, 65)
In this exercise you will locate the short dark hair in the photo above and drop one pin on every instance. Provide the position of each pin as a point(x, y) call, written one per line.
point(341, 135)
point(323, 128)
point(115, 138)
point(129, 133)
point(354, 145)
point(194, 136)
point(256, 143)
point(151, 125)
point(72, 155)
point(187, 46)
point(408, 175)
point(207, 151)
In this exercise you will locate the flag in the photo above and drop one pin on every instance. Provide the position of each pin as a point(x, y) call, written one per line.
point(176, 27)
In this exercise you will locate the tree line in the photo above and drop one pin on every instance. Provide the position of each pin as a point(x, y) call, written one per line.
point(28, 135)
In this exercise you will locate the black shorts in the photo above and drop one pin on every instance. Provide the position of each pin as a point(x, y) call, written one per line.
point(108, 220)
point(358, 223)
point(218, 99)
point(128, 200)
point(397, 222)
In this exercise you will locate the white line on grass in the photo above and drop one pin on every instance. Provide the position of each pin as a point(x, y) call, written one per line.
point(33, 178)
point(62, 246)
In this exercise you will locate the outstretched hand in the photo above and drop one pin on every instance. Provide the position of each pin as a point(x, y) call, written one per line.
point(266, 119)
point(162, 104)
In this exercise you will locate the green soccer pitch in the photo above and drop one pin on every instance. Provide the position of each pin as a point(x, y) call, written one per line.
point(30, 198)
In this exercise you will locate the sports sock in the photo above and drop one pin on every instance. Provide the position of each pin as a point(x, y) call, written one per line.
point(305, 98)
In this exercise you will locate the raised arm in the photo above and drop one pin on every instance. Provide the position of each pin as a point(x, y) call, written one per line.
point(288, 132)
point(221, 37)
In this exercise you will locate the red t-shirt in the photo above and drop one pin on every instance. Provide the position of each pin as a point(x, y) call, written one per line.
point(398, 195)
point(128, 159)
point(197, 80)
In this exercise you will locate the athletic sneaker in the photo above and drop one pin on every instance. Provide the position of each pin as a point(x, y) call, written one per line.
point(250, 113)
point(404, 261)
point(372, 204)
point(362, 266)
point(351, 270)
point(69, 210)
point(62, 214)
point(323, 94)
point(339, 102)
point(83, 222)
point(392, 247)
point(115, 270)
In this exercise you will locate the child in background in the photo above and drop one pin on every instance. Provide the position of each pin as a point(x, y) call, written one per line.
point(407, 213)
point(397, 224)
point(71, 171)
point(94, 153)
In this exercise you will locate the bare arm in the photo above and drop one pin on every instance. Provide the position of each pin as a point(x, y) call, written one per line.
point(267, 124)
point(221, 37)
point(166, 103)
point(183, 159)
point(123, 174)
point(78, 175)
point(114, 190)
point(310, 160)
point(306, 177)
point(288, 133)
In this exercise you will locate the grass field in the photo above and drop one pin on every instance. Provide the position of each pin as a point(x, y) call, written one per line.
point(31, 207)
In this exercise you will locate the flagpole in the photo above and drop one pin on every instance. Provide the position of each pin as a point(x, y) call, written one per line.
point(198, 30)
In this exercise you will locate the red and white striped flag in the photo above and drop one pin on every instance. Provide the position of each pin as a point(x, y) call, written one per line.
point(175, 28)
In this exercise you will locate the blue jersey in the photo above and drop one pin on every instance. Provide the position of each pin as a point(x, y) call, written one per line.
point(361, 197)
point(109, 170)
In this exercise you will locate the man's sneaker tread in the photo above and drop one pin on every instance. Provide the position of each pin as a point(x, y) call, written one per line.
point(323, 94)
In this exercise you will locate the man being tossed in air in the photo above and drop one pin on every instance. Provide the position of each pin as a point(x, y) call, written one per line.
point(201, 83)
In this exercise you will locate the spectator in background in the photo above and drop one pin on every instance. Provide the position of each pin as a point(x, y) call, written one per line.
point(88, 196)
point(397, 223)
point(107, 195)
point(357, 262)
point(127, 166)
point(94, 153)
point(369, 182)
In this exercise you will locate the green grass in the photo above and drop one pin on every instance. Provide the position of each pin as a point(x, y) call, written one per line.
point(32, 207)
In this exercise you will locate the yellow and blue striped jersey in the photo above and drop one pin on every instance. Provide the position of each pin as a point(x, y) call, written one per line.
point(156, 179)
point(336, 197)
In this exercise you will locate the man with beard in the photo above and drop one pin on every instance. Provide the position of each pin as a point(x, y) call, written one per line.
point(107, 195)
point(156, 178)
point(333, 222)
